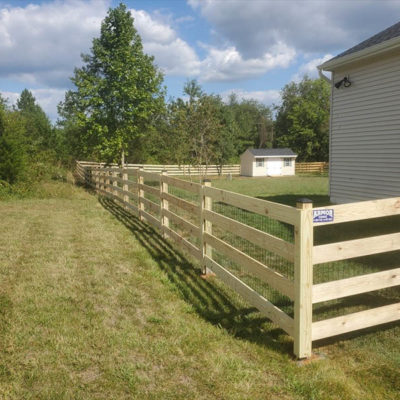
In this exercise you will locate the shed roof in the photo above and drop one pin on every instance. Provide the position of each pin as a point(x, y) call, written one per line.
point(285, 152)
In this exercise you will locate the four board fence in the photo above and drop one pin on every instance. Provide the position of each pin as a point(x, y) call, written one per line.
point(312, 167)
point(179, 170)
point(263, 250)
point(210, 170)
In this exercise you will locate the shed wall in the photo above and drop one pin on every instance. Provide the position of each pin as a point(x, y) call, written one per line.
point(365, 132)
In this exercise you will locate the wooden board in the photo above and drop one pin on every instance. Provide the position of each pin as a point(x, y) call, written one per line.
point(258, 269)
point(150, 219)
point(356, 285)
point(277, 211)
point(265, 307)
point(260, 238)
point(155, 191)
point(185, 205)
point(150, 205)
point(193, 229)
point(152, 176)
point(180, 183)
point(356, 248)
point(362, 210)
point(355, 321)
point(181, 241)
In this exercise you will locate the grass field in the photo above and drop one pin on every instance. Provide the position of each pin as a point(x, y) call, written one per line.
point(95, 305)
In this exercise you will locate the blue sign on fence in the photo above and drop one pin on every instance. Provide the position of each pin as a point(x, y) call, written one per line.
point(323, 215)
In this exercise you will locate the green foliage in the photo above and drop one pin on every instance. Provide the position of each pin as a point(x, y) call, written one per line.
point(38, 130)
point(253, 122)
point(12, 154)
point(302, 121)
point(118, 91)
point(202, 129)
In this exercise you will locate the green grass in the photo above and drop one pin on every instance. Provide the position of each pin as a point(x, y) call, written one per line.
point(95, 305)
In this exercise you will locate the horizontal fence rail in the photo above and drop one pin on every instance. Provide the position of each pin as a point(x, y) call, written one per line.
point(210, 170)
point(312, 167)
point(262, 250)
point(352, 249)
point(174, 169)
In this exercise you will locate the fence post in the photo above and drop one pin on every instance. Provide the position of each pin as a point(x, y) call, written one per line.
point(96, 179)
point(140, 181)
point(107, 179)
point(303, 280)
point(205, 225)
point(103, 181)
point(125, 186)
point(114, 183)
point(164, 203)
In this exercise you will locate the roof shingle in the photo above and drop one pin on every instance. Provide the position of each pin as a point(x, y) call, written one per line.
point(272, 152)
point(387, 34)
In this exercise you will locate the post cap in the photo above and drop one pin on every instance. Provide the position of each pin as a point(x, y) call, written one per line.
point(164, 171)
point(304, 200)
point(206, 180)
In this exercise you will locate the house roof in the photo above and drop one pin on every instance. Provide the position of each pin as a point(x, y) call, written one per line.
point(389, 33)
point(384, 40)
point(272, 152)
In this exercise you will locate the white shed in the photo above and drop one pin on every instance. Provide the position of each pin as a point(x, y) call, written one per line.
point(365, 119)
point(267, 162)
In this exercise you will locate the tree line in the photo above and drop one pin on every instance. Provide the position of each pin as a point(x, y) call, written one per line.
point(118, 112)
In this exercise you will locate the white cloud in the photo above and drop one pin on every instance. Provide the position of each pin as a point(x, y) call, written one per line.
point(172, 54)
point(41, 44)
point(310, 68)
point(267, 97)
point(307, 25)
point(229, 65)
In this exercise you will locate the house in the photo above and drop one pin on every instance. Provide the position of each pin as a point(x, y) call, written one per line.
point(365, 119)
point(267, 162)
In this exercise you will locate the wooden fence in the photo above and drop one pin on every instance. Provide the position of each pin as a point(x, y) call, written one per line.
point(234, 169)
point(179, 170)
point(312, 167)
point(273, 271)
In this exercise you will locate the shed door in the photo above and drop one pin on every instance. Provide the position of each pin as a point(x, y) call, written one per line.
point(274, 167)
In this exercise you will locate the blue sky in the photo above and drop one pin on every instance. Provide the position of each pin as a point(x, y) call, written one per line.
point(250, 47)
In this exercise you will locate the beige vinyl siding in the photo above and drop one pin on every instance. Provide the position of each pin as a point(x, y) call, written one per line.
point(365, 132)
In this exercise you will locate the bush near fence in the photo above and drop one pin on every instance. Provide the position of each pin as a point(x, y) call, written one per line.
point(263, 250)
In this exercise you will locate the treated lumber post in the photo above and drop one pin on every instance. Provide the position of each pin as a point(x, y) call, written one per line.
point(114, 182)
point(103, 177)
point(303, 280)
point(107, 181)
point(164, 203)
point(97, 179)
point(125, 186)
point(140, 181)
point(205, 225)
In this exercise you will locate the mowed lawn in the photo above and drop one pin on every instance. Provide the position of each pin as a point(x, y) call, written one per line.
point(95, 305)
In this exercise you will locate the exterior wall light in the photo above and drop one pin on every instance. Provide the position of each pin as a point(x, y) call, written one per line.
point(345, 82)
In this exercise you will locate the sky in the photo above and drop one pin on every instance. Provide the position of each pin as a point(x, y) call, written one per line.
point(248, 47)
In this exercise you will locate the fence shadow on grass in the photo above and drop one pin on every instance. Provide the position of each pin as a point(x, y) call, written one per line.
point(215, 304)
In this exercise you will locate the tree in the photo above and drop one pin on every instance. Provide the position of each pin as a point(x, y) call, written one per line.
point(12, 152)
point(118, 90)
point(302, 121)
point(253, 123)
point(38, 129)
